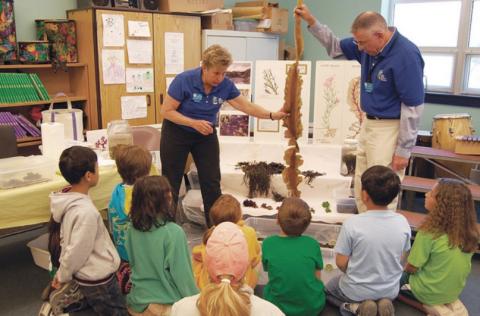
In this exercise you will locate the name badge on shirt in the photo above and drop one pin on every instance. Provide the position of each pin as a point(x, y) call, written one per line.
point(197, 97)
point(368, 87)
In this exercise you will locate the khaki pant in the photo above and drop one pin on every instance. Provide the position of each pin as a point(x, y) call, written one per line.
point(153, 310)
point(376, 146)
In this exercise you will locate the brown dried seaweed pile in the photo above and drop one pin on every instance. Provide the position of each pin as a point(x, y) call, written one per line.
point(257, 176)
point(293, 123)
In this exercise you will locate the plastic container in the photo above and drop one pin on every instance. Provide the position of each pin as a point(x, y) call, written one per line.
point(192, 205)
point(325, 234)
point(40, 254)
point(330, 269)
point(349, 156)
point(192, 176)
point(21, 171)
point(345, 201)
point(119, 132)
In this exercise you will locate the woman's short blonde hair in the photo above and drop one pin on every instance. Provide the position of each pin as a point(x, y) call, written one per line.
point(216, 55)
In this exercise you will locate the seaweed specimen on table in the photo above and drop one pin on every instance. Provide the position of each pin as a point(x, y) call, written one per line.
point(250, 203)
point(293, 122)
point(310, 175)
point(257, 176)
point(277, 197)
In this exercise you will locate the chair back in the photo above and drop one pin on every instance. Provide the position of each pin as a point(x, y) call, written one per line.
point(147, 137)
point(8, 142)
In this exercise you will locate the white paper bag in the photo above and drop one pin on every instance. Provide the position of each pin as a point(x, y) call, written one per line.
point(71, 118)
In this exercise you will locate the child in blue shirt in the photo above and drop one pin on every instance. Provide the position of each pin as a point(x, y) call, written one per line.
point(133, 162)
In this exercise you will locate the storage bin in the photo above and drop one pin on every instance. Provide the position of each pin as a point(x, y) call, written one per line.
point(63, 38)
point(21, 171)
point(192, 176)
point(325, 234)
point(345, 201)
point(329, 271)
point(39, 250)
point(34, 52)
point(192, 205)
point(8, 38)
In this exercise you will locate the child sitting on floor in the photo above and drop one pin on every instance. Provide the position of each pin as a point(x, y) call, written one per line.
point(227, 209)
point(369, 250)
point(227, 260)
point(293, 263)
point(87, 253)
point(133, 162)
point(157, 250)
point(440, 260)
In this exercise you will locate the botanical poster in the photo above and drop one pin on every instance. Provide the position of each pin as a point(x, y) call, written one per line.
point(270, 76)
point(337, 113)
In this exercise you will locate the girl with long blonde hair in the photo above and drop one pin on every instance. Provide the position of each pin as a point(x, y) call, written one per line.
point(227, 261)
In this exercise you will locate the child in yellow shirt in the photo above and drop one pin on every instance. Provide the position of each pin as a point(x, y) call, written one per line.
point(227, 209)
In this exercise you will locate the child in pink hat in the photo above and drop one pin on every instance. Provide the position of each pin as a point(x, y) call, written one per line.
point(227, 261)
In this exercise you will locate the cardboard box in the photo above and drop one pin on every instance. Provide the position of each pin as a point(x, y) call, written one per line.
point(189, 5)
point(275, 21)
point(218, 21)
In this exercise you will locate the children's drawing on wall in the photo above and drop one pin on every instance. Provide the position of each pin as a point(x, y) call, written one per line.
point(353, 100)
point(233, 125)
point(269, 83)
point(270, 76)
point(113, 30)
point(113, 66)
point(337, 113)
point(139, 79)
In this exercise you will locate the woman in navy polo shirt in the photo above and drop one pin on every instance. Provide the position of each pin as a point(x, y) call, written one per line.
point(189, 111)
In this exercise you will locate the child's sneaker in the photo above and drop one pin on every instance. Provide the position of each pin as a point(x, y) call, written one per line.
point(68, 294)
point(349, 307)
point(367, 308)
point(385, 307)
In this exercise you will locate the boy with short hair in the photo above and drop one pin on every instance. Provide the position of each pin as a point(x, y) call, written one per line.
point(133, 162)
point(293, 263)
point(88, 255)
point(369, 250)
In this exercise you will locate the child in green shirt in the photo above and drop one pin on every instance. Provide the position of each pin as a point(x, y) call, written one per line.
point(293, 263)
point(440, 260)
point(157, 250)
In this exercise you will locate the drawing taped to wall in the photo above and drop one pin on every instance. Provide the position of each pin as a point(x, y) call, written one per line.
point(337, 113)
point(272, 74)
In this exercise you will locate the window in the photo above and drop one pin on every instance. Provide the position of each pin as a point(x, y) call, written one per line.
point(448, 35)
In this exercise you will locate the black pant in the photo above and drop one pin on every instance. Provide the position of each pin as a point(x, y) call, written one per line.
point(175, 144)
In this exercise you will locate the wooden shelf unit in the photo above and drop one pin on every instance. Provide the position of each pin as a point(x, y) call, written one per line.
point(73, 80)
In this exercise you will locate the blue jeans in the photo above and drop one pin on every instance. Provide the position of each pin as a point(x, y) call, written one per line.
point(336, 297)
point(105, 299)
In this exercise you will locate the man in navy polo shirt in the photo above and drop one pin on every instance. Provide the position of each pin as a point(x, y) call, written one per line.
point(189, 111)
point(392, 91)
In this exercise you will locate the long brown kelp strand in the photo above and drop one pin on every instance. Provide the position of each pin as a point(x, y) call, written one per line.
point(293, 123)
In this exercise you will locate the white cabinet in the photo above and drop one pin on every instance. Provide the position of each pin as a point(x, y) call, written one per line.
point(244, 46)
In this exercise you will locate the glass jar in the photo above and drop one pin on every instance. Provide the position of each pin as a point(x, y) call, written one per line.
point(349, 157)
point(119, 133)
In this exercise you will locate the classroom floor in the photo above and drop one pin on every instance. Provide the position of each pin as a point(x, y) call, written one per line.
point(22, 282)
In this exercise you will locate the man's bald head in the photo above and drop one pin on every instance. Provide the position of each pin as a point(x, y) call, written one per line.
point(369, 21)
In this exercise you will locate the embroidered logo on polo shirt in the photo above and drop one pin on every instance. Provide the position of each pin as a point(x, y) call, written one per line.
point(381, 76)
point(217, 100)
point(197, 97)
